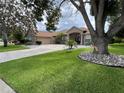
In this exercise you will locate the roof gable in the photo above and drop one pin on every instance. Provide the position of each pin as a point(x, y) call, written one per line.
point(74, 29)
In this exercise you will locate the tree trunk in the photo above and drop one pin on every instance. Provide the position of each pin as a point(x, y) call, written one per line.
point(5, 43)
point(101, 46)
point(5, 39)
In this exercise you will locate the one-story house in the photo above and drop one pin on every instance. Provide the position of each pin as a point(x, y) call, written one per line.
point(80, 35)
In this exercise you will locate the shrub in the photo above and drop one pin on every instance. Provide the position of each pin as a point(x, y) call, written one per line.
point(60, 38)
point(38, 42)
point(112, 41)
point(122, 41)
point(71, 43)
point(117, 40)
point(24, 41)
point(18, 36)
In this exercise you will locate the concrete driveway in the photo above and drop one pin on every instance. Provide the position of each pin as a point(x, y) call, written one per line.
point(34, 50)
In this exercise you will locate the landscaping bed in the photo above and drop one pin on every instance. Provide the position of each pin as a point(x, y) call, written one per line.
point(109, 60)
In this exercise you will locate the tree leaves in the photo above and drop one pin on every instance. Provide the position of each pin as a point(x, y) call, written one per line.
point(45, 8)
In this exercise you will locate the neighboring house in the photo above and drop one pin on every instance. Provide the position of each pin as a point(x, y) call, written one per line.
point(80, 35)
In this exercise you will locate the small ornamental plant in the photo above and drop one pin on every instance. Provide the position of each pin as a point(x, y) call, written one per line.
point(71, 43)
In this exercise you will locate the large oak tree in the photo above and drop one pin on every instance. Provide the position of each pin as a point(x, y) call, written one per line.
point(101, 10)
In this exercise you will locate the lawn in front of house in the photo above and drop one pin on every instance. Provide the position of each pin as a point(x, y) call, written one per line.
point(117, 48)
point(12, 48)
point(62, 72)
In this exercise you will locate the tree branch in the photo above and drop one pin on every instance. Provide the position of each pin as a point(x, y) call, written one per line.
point(119, 25)
point(100, 18)
point(101, 8)
point(94, 7)
point(86, 18)
point(61, 3)
point(115, 28)
point(73, 2)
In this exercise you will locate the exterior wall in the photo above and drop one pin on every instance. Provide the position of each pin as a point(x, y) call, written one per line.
point(45, 40)
point(87, 39)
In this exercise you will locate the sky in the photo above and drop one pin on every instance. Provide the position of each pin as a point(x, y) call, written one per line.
point(70, 17)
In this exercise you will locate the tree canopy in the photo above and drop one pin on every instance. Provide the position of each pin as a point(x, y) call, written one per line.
point(47, 9)
point(14, 14)
point(114, 18)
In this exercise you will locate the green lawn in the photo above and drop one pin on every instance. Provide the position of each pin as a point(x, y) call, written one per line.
point(117, 48)
point(62, 72)
point(11, 48)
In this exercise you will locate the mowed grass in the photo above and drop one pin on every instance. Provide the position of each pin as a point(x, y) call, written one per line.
point(117, 48)
point(11, 48)
point(62, 72)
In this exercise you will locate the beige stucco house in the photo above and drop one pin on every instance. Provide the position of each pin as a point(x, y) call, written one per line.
point(80, 35)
